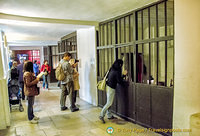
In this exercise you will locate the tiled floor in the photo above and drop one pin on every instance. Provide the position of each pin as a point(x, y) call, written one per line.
point(54, 122)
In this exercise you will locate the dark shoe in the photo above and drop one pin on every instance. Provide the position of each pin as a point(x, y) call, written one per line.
point(113, 117)
point(64, 108)
point(74, 109)
point(102, 119)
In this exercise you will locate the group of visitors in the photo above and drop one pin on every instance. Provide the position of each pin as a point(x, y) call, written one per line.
point(29, 76)
point(69, 85)
point(26, 75)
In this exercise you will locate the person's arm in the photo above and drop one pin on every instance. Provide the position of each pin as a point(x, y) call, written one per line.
point(120, 77)
point(70, 69)
point(28, 82)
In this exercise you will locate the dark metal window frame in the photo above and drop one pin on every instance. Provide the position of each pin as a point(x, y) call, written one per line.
point(117, 34)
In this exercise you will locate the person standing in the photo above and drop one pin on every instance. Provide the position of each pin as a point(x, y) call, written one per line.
point(75, 81)
point(67, 84)
point(10, 63)
point(45, 68)
point(13, 73)
point(113, 78)
point(21, 72)
point(36, 68)
point(30, 90)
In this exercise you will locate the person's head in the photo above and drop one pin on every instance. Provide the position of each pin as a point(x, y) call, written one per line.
point(21, 60)
point(45, 62)
point(72, 61)
point(67, 56)
point(117, 64)
point(35, 61)
point(14, 64)
point(28, 66)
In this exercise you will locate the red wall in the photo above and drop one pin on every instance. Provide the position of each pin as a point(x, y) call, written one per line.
point(32, 54)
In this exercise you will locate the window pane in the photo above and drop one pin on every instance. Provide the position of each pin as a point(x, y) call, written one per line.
point(101, 35)
point(139, 23)
point(145, 24)
point(53, 50)
point(55, 61)
point(139, 63)
point(161, 20)
point(153, 21)
point(122, 30)
point(170, 63)
point(127, 23)
point(145, 76)
point(109, 34)
point(110, 57)
point(105, 42)
point(170, 18)
point(62, 46)
point(131, 31)
point(153, 77)
point(119, 53)
point(161, 64)
point(106, 60)
point(113, 32)
point(102, 61)
point(118, 31)
point(56, 49)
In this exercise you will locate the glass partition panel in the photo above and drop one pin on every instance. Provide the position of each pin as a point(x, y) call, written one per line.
point(161, 19)
point(170, 63)
point(153, 76)
point(145, 24)
point(161, 64)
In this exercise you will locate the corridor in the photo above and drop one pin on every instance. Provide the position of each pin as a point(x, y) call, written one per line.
point(54, 122)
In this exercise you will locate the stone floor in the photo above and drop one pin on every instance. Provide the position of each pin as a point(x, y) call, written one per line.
point(54, 122)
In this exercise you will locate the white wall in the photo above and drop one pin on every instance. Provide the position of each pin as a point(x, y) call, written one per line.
point(4, 103)
point(187, 63)
point(86, 50)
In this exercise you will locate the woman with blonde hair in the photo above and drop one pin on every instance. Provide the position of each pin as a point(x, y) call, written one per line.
point(75, 81)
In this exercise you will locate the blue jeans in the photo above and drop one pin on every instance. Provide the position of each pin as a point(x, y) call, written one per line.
point(110, 93)
point(30, 107)
point(45, 81)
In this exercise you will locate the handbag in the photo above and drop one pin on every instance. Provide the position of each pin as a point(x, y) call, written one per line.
point(102, 84)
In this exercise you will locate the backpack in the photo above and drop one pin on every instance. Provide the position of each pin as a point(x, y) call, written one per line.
point(60, 75)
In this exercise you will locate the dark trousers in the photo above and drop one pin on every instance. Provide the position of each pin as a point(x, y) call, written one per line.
point(74, 96)
point(30, 107)
point(21, 85)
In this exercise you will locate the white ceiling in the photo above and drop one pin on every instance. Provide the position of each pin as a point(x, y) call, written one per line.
point(39, 30)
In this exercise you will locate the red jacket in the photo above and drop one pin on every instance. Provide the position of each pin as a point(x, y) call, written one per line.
point(45, 67)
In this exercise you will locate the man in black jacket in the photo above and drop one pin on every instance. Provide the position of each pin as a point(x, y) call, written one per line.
point(114, 77)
